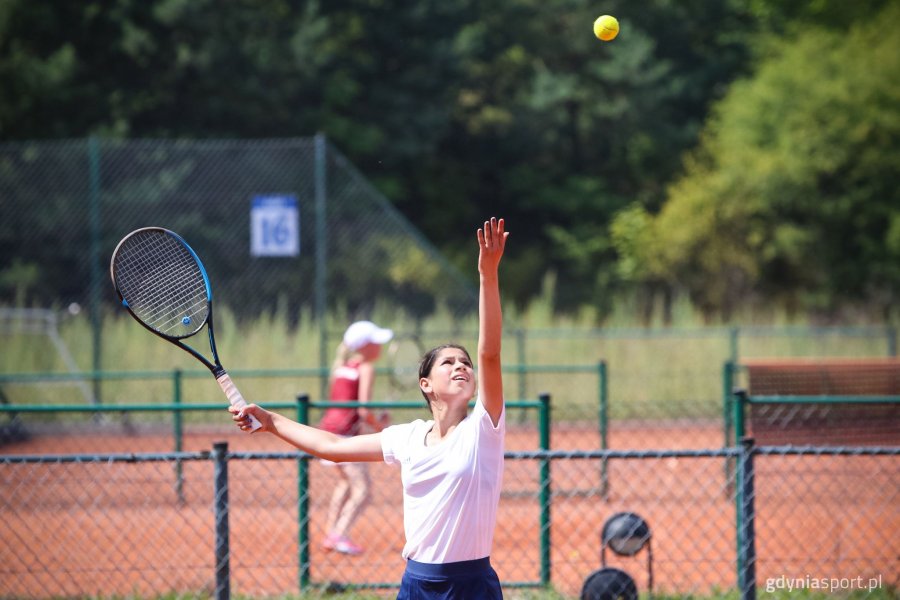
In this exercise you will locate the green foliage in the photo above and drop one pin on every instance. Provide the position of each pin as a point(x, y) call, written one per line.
point(655, 373)
point(563, 130)
point(887, 592)
point(784, 15)
point(19, 277)
point(459, 109)
point(793, 191)
point(455, 109)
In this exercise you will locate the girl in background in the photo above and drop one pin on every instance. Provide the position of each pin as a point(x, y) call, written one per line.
point(352, 379)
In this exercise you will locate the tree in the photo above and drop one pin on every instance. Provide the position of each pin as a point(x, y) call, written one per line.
point(793, 192)
point(559, 131)
point(455, 109)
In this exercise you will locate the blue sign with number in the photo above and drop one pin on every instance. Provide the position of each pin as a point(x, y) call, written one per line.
point(275, 226)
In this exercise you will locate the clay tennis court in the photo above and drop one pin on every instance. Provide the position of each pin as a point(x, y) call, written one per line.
point(69, 531)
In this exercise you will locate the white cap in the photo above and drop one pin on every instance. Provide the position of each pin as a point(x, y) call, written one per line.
point(366, 332)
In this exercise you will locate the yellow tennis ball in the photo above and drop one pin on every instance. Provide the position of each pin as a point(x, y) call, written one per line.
point(606, 27)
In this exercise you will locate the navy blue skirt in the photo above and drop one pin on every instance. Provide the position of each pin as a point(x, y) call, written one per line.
point(463, 580)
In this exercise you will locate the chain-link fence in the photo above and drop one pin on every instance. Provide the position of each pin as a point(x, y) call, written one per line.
point(652, 389)
point(251, 523)
point(274, 220)
point(159, 411)
point(813, 401)
point(297, 242)
point(285, 227)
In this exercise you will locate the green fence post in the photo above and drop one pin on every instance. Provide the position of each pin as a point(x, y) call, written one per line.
point(738, 399)
point(727, 391)
point(321, 254)
point(745, 519)
point(96, 270)
point(545, 496)
point(733, 341)
point(220, 500)
point(303, 498)
point(178, 434)
point(604, 427)
point(522, 380)
point(727, 416)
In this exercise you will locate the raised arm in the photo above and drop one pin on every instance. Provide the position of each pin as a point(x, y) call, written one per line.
point(491, 243)
point(317, 442)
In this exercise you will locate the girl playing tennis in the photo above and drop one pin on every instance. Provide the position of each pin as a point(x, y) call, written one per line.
point(451, 466)
point(352, 379)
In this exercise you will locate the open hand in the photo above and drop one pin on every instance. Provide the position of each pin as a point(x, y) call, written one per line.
point(491, 243)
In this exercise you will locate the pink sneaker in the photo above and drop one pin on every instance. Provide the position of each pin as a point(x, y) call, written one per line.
point(330, 541)
point(342, 544)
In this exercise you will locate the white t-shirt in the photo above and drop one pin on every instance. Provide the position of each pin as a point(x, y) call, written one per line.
point(451, 490)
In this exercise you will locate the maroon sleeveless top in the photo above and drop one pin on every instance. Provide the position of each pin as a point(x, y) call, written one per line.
point(344, 388)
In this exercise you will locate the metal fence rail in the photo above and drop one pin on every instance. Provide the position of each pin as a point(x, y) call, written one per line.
point(646, 401)
point(590, 377)
point(172, 398)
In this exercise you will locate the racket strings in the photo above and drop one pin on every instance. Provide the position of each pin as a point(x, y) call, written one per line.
point(163, 283)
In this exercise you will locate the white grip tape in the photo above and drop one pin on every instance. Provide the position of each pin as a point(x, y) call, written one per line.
point(235, 398)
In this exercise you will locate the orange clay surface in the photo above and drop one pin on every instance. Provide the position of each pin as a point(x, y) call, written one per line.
point(101, 529)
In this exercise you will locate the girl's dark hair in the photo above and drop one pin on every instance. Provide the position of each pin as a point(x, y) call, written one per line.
point(427, 362)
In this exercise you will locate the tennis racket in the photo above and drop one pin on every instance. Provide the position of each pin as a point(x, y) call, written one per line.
point(163, 284)
point(403, 355)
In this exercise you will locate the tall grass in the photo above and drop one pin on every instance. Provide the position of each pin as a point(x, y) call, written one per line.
point(654, 372)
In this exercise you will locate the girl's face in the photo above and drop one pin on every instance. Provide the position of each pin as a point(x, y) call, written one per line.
point(451, 376)
point(370, 352)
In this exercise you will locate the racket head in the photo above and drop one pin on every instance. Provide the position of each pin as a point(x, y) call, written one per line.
point(161, 281)
point(404, 353)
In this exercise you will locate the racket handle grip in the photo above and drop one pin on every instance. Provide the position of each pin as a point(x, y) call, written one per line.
point(235, 398)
